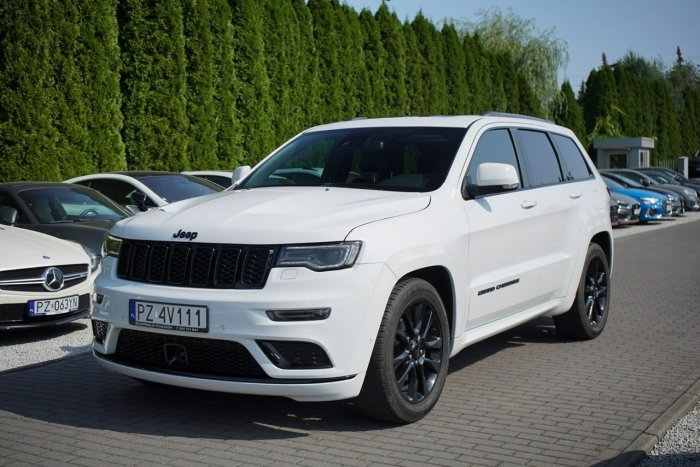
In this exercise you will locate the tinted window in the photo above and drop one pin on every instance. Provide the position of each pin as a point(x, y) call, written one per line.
point(178, 187)
point(7, 200)
point(115, 190)
point(493, 146)
point(395, 159)
point(540, 159)
point(69, 204)
point(573, 163)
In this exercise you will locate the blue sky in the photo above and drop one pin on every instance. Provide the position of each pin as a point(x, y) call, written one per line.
point(650, 28)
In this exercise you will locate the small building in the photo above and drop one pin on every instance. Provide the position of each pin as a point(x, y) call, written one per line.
point(620, 153)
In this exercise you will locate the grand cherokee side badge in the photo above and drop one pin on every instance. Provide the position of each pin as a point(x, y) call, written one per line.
point(188, 235)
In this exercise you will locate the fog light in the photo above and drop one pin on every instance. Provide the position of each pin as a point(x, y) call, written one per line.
point(314, 314)
point(99, 298)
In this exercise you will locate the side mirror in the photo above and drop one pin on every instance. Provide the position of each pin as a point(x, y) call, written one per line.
point(239, 174)
point(646, 182)
point(139, 199)
point(8, 215)
point(492, 177)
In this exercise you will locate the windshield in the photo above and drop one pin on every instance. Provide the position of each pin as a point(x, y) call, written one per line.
point(395, 159)
point(177, 187)
point(628, 182)
point(70, 203)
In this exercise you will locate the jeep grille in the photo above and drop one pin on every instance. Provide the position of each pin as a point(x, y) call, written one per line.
point(200, 265)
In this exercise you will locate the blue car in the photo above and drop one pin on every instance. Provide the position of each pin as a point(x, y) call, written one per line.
point(652, 204)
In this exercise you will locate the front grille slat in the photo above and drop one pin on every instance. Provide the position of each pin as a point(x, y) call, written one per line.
point(200, 265)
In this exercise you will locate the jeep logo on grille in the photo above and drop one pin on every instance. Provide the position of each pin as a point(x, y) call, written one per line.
point(187, 235)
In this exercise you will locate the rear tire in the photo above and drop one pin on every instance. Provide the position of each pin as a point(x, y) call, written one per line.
point(408, 367)
point(589, 312)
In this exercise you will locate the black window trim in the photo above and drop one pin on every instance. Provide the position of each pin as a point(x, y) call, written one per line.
point(562, 162)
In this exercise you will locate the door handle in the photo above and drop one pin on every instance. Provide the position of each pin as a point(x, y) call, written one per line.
point(575, 194)
point(528, 204)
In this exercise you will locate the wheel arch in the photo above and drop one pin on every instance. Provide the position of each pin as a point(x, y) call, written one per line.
point(440, 278)
point(604, 240)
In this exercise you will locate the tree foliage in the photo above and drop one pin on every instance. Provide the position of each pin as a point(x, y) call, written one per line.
point(154, 84)
point(538, 55)
point(114, 84)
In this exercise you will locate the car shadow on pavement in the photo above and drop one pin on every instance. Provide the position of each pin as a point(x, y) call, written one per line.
point(77, 392)
point(537, 331)
point(30, 335)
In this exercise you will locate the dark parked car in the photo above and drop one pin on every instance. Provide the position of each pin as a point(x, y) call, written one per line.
point(64, 210)
point(627, 209)
point(673, 176)
point(652, 206)
point(688, 196)
point(672, 201)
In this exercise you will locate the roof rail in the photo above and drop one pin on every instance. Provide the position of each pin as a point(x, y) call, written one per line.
point(506, 114)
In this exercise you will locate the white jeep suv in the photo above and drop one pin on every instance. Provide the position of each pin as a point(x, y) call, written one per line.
point(357, 258)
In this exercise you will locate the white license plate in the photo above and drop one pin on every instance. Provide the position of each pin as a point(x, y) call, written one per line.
point(174, 316)
point(636, 211)
point(55, 306)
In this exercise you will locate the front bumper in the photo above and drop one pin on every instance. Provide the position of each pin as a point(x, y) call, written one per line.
point(356, 297)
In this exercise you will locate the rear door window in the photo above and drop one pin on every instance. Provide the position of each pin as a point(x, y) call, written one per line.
point(574, 165)
point(540, 160)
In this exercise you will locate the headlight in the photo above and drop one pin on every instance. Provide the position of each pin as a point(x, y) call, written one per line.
point(94, 261)
point(323, 257)
point(111, 246)
point(650, 200)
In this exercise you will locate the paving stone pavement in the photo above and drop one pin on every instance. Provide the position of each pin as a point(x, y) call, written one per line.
point(524, 397)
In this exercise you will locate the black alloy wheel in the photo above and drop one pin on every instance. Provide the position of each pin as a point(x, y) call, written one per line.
point(417, 351)
point(596, 291)
point(588, 314)
point(408, 366)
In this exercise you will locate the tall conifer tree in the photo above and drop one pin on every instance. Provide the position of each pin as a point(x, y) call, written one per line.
point(568, 113)
point(375, 58)
point(100, 66)
point(354, 76)
point(307, 96)
point(431, 65)
point(415, 88)
point(327, 42)
point(226, 122)
point(395, 72)
point(458, 93)
point(201, 109)
point(27, 135)
point(154, 84)
point(68, 108)
point(254, 104)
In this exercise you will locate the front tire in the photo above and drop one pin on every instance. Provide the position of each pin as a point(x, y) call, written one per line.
point(589, 313)
point(408, 367)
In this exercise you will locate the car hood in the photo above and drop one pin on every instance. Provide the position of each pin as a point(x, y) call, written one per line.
point(20, 248)
point(88, 233)
point(271, 216)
